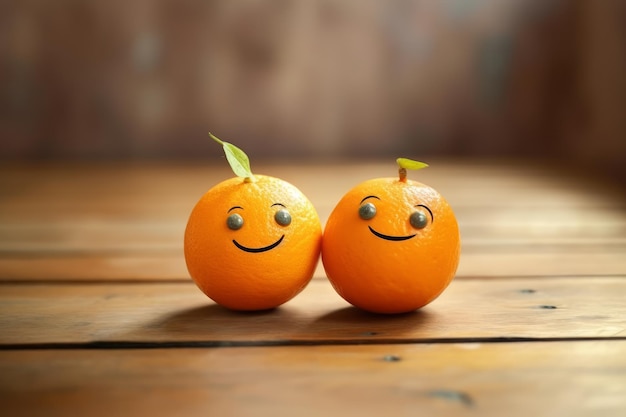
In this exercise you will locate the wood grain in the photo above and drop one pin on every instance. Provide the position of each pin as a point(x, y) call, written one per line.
point(550, 308)
point(491, 227)
point(98, 315)
point(125, 222)
point(467, 379)
point(165, 191)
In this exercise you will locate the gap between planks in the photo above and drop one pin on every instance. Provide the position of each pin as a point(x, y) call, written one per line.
point(147, 345)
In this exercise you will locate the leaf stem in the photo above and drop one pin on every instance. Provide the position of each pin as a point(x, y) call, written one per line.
point(405, 163)
point(215, 138)
point(402, 174)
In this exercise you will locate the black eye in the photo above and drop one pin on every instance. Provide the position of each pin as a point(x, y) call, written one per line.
point(418, 220)
point(367, 211)
point(234, 221)
point(283, 217)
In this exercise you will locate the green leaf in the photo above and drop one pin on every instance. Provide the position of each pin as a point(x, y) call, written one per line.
point(410, 164)
point(237, 159)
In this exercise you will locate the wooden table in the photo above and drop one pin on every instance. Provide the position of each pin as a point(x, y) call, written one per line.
point(98, 315)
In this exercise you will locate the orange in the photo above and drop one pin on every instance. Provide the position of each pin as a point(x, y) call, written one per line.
point(252, 244)
point(391, 245)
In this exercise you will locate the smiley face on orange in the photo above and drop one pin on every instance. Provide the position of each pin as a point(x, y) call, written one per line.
point(252, 245)
point(418, 219)
point(235, 222)
point(391, 246)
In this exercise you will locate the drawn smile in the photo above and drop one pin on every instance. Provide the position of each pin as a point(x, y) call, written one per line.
point(257, 250)
point(387, 237)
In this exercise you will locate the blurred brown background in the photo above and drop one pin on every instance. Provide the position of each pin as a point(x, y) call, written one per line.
point(321, 79)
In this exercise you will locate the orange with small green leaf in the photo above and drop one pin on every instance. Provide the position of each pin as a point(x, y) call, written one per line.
point(391, 245)
point(252, 242)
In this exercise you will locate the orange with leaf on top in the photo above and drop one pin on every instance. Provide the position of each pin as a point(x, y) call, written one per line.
point(391, 245)
point(252, 242)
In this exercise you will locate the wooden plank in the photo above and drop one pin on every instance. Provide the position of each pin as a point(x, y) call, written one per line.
point(460, 174)
point(139, 208)
point(479, 228)
point(179, 312)
point(166, 190)
point(511, 379)
point(170, 266)
point(135, 234)
point(601, 261)
point(108, 177)
point(109, 241)
point(83, 237)
point(92, 267)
